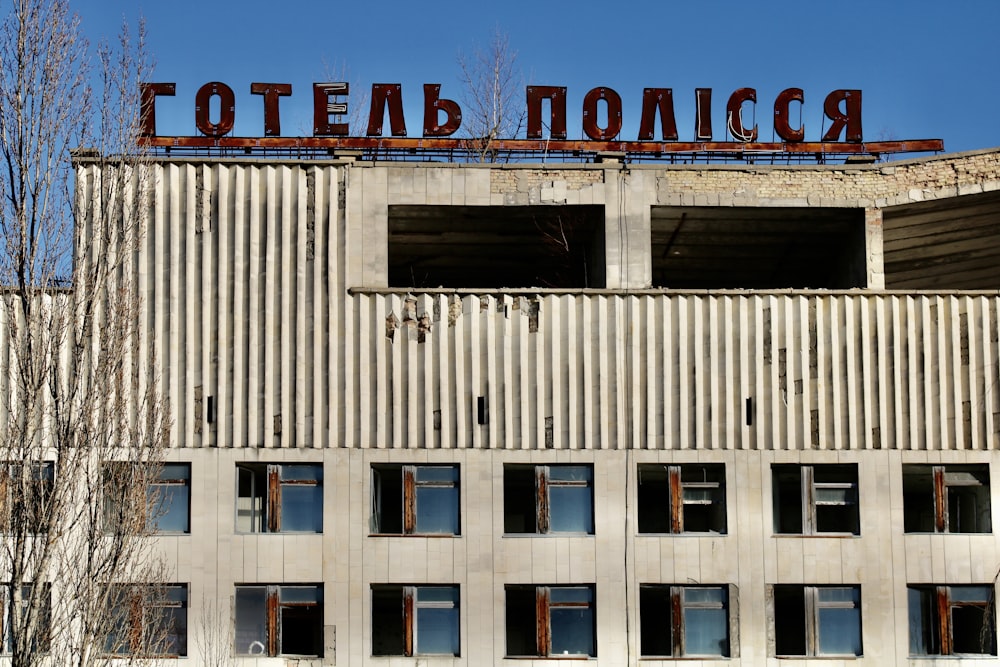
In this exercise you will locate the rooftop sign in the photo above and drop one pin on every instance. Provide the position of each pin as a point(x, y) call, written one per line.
point(443, 117)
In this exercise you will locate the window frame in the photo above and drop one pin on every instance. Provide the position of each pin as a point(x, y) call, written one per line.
point(809, 498)
point(941, 623)
point(410, 486)
point(813, 626)
point(6, 615)
point(543, 496)
point(676, 500)
point(273, 622)
point(267, 518)
point(941, 498)
point(411, 604)
point(145, 602)
point(42, 478)
point(676, 618)
point(544, 606)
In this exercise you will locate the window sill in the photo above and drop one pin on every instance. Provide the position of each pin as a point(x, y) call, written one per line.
point(425, 535)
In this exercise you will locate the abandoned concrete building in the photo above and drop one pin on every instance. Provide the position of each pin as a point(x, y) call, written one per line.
point(443, 413)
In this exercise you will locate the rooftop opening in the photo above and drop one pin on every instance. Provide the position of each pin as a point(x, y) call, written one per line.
point(719, 247)
point(496, 246)
point(950, 243)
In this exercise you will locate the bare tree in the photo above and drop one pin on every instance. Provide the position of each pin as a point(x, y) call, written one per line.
point(493, 105)
point(214, 640)
point(75, 391)
point(357, 108)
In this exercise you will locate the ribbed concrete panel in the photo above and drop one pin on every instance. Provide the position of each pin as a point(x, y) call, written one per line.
point(771, 371)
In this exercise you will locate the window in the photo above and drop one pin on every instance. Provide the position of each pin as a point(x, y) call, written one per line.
point(817, 620)
point(168, 497)
point(415, 499)
point(25, 490)
point(952, 620)
point(550, 621)
point(414, 620)
point(548, 499)
point(682, 498)
point(279, 620)
point(148, 620)
point(680, 621)
point(279, 498)
point(17, 620)
point(814, 499)
point(946, 499)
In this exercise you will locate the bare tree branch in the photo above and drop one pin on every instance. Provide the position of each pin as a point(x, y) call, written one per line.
point(493, 86)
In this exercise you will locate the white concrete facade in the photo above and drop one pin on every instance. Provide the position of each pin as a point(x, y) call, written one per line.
point(269, 309)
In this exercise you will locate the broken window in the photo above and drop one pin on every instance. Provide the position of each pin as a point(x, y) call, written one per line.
point(688, 498)
point(548, 499)
point(147, 620)
point(25, 619)
point(814, 499)
point(553, 621)
point(946, 499)
point(415, 499)
point(167, 498)
point(952, 620)
point(817, 620)
point(25, 492)
point(279, 498)
point(414, 620)
point(680, 621)
point(279, 620)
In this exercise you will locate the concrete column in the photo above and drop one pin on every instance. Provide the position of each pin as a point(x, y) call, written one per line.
point(874, 259)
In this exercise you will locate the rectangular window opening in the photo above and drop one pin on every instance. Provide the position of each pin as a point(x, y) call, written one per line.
point(817, 620)
point(274, 498)
point(689, 498)
point(952, 620)
point(148, 620)
point(684, 621)
point(415, 620)
point(415, 500)
point(285, 620)
point(815, 499)
point(550, 621)
point(548, 499)
point(30, 608)
point(946, 499)
point(25, 493)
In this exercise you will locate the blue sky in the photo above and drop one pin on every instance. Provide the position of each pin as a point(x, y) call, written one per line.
point(927, 69)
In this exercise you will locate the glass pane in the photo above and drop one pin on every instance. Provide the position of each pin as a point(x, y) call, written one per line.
point(847, 594)
point(570, 594)
point(969, 594)
point(703, 595)
point(299, 594)
point(698, 495)
point(437, 509)
point(175, 471)
point(168, 506)
point(301, 508)
point(302, 473)
point(833, 495)
point(174, 632)
point(572, 630)
point(923, 621)
point(251, 617)
point(437, 594)
point(569, 473)
point(706, 632)
point(570, 509)
point(437, 474)
point(437, 631)
point(839, 632)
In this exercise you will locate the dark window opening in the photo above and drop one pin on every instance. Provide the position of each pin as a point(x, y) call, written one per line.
point(717, 247)
point(548, 499)
point(279, 620)
point(279, 498)
point(26, 621)
point(815, 499)
point(816, 620)
point(496, 246)
point(415, 499)
point(680, 621)
point(952, 620)
point(147, 620)
point(25, 494)
point(689, 498)
point(550, 621)
point(415, 620)
point(946, 499)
